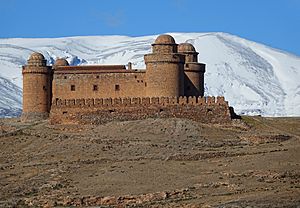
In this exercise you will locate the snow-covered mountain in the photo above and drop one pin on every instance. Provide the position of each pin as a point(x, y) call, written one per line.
point(10, 98)
point(254, 78)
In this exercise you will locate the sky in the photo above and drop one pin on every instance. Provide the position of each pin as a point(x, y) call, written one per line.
point(275, 23)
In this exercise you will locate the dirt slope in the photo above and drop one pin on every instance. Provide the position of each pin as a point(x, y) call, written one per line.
point(151, 163)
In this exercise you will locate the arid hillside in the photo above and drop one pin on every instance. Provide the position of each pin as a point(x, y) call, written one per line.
point(255, 162)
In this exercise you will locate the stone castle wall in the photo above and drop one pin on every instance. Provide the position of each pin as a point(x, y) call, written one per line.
point(85, 85)
point(99, 110)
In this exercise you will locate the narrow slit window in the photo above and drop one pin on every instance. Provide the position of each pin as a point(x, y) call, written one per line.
point(72, 87)
point(95, 87)
point(117, 87)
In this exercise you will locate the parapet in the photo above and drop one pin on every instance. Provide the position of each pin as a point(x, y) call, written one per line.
point(103, 110)
point(139, 101)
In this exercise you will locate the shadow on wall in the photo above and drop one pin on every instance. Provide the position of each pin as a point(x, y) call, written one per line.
point(190, 89)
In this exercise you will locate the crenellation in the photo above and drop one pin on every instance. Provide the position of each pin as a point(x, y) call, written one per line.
point(107, 102)
point(140, 101)
point(61, 102)
point(145, 101)
point(117, 102)
point(126, 101)
point(201, 101)
point(80, 102)
point(89, 102)
point(210, 100)
point(192, 100)
point(173, 100)
point(136, 101)
point(70, 102)
point(98, 102)
point(154, 100)
point(164, 101)
point(202, 109)
point(221, 100)
point(54, 102)
point(182, 100)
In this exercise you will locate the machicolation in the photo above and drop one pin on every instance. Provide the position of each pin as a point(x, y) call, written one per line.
point(171, 86)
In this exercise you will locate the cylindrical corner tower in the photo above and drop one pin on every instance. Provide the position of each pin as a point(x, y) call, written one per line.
point(164, 69)
point(37, 79)
point(193, 71)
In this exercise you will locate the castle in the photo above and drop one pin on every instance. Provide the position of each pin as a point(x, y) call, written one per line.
point(171, 86)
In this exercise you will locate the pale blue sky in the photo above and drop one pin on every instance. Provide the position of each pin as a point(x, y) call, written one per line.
point(272, 22)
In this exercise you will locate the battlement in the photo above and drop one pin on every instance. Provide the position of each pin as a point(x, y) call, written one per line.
point(136, 101)
point(102, 110)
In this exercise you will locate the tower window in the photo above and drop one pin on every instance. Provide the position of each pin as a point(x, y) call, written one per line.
point(117, 87)
point(97, 76)
point(95, 87)
point(72, 87)
point(65, 77)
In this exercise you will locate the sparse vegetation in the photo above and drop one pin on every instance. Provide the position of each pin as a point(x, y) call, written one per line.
point(152, 162)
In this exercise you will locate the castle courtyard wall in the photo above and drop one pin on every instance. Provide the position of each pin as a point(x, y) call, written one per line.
point(100, 111)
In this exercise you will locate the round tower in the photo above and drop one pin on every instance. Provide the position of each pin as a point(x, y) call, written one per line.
point(37, 79)
point(193, 71)
point(164, 69)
